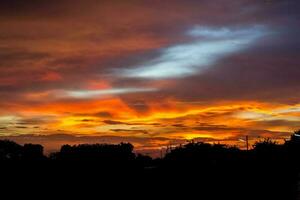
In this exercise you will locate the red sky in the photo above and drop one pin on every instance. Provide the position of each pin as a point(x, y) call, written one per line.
point(152, 73)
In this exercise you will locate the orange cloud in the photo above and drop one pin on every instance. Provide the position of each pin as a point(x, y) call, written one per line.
point(86, 48)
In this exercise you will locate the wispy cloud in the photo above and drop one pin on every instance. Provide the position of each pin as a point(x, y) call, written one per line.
point(104, 92)
point(209, 47)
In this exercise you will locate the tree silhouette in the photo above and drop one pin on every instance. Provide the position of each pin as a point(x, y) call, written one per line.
point(33, 152)
point(265, 146)
point(10, 150)
point(95, 152)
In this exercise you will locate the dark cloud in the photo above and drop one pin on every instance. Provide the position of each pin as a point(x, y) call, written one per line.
point(206, 127)
point(21, 127)
point(113, 122)
point(179, 125)
point(213, 127)
point(35, 120)
point(8, 56)
point(130, 131)
point(87, 120)
point(37, 8)
point(103, 114)
point(278, 123)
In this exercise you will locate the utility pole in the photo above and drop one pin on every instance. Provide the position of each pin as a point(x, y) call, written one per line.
point(247, 142)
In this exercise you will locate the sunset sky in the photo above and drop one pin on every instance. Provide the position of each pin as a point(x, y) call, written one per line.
point(149, 72)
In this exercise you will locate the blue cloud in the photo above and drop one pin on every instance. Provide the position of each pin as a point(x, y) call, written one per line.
point(105, 92)
point(210, 45)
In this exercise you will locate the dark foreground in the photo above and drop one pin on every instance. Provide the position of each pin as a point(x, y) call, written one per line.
point(259, 182)
point(193, 171)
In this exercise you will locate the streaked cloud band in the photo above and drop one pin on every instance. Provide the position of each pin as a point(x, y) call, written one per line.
point(209, 47)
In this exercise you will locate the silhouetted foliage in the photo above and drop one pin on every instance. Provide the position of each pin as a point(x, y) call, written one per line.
point(269, 170)
point(10, 150)
point(33, 152)
point(294, 141)
point(265, 146)
point(201, 154)
point(95, 152)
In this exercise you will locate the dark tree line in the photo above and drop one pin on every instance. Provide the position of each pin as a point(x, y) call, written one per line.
point(267, 171)
point(11, 151)
point(196, 153)
point(94, 152)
